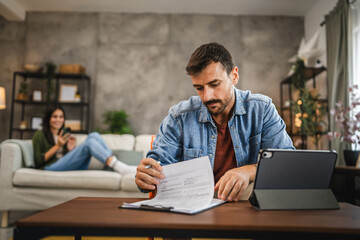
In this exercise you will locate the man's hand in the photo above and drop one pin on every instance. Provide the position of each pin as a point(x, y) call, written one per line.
point(234, 182)
point(146, 176)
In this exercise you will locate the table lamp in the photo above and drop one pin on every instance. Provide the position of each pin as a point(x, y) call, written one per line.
point(2, 98)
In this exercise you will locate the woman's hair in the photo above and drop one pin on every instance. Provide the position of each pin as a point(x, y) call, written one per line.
point(46, 123)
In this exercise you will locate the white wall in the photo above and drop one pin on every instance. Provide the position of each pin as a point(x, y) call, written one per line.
point(316, 15)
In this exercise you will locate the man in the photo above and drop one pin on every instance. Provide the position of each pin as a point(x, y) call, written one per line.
point(222, 122)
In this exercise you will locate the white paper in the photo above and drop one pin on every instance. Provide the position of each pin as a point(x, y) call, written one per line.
point(188, 187)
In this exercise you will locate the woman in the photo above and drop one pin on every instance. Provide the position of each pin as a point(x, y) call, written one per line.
point(56, 151)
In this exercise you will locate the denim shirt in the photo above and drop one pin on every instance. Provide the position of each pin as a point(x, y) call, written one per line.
point(189, 131)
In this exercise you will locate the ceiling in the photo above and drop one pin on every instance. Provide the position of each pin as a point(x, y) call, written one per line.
point(16, 9)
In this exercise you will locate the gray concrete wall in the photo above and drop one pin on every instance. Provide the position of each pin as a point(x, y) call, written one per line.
point(137, 61)
point(12, 47)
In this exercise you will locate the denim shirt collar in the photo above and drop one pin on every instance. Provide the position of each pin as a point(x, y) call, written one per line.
point(239, 108)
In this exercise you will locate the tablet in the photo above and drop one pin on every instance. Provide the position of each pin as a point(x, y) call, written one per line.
point(294, 169)
point(294, 179)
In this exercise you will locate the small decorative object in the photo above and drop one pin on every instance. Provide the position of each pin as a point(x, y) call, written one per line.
point(22, 95)
point(310, 51)
point(75, 125)
point(71, 69)
point(287, 103)
point(23, 125)
point(67, 92)
point(33, 68)
point(36, 123)
point(37, 95)
point(77, 96)
point(347, 119)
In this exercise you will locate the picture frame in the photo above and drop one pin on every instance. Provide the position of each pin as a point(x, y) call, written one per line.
point(36, 123)
point(37, 96)
point(67, 92)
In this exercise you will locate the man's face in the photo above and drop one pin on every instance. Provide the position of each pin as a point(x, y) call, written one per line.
point(215, 88)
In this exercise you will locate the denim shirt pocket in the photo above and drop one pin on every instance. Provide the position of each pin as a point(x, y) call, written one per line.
point(254, 147)
point(190, 153)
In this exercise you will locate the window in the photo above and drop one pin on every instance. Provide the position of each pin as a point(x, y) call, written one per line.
point(355, 8)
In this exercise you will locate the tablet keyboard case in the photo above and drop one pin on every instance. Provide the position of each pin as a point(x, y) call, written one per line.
point(294, 179)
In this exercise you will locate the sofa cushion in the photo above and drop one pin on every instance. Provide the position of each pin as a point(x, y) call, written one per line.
point(89, 179)
point(128, 183)
point(129, 157)
point(143, 143)
point(113, 141)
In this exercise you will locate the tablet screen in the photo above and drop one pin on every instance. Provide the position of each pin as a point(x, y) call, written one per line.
point(294, 169)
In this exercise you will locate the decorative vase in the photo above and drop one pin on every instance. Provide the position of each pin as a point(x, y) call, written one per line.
point(351, 157)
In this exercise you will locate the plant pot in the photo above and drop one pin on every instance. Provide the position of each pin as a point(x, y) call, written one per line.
point(351, 157)
point(22, 96)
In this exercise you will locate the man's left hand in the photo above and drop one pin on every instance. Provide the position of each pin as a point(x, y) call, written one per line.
point(234, 182)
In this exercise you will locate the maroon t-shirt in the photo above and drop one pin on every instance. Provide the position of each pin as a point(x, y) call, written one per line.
point(225, 154)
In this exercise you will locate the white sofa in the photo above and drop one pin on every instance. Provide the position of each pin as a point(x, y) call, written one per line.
point(23, 188)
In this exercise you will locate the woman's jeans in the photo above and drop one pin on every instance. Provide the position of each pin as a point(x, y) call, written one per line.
point(79, 157)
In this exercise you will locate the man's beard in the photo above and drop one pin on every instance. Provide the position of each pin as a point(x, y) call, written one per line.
point(221, 108)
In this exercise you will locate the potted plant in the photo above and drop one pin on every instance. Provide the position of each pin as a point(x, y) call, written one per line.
point(117, 122)
point(308, 109)
point(22, 95)
point(347, 120)
point(310, 112)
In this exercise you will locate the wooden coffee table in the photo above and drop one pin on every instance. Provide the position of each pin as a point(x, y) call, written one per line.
point(86, 216)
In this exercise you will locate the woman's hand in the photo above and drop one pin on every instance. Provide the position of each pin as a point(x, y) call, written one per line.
point(71, 143)
point(63, 139)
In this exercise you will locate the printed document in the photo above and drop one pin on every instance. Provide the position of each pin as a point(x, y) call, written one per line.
point(188, 187)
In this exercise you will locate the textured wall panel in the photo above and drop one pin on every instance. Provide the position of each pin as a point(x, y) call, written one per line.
point(137, 61)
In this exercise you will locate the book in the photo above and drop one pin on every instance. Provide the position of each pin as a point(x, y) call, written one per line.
point(188, 187)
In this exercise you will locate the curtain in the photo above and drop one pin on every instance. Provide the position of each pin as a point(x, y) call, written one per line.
point(355, 45)
point(337, 46)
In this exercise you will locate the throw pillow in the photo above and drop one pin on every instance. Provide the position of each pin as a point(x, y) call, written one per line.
point(128, 157)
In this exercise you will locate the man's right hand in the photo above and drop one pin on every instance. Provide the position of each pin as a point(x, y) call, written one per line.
point(147, 177)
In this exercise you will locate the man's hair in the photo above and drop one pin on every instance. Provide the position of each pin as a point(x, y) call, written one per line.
point(206, 54)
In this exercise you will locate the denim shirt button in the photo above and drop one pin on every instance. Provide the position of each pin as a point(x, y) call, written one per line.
point(212, 136)
point(210, 155)
point(237, 146)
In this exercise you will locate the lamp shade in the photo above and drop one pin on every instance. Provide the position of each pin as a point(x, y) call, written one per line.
point(2, 98)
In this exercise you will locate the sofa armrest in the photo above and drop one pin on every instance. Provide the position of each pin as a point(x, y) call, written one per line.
point(11, 160)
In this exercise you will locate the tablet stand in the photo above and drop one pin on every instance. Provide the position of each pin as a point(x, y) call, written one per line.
point(293, 199)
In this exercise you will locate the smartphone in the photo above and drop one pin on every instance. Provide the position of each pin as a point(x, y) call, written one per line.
point(66, 130)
